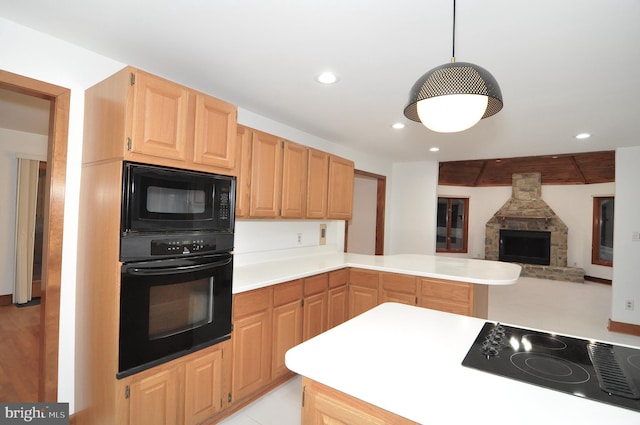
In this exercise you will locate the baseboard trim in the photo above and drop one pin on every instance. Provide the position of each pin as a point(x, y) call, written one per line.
point(6, 300)
point(597, 280)
point(624, 328)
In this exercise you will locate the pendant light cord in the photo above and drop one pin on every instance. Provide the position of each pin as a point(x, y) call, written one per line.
point(453, 48)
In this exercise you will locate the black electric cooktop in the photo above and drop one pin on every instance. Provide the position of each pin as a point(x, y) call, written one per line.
point(597, 371)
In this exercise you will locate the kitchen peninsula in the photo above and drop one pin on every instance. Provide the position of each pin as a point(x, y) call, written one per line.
point(265, 273)
point(403, 364)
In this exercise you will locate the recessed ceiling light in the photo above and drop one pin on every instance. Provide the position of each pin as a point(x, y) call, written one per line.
point(327, 78)
point(583, 136)
point(398, 125)
point(434, 149)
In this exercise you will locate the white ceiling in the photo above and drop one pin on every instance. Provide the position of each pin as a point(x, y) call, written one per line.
point(564, 67)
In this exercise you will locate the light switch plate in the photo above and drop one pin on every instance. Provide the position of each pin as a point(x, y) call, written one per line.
point(323, 234)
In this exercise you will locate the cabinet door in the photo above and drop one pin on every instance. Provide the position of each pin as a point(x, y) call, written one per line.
point(337, 299)
point(287, 333)
point(317, 181)
point(315, 305)
point(266, 175)
point(203, 387)
point(315, 315)
point(361, 299)
point(363, 291)
point(159, 117)
point(155, 399)
point(215, 132)
point(340, 189)
point(251, 342)
point(337, 306)
point(243, 182)
point(294, 180)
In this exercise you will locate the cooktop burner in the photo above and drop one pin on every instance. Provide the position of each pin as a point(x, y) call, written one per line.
point(593, 370)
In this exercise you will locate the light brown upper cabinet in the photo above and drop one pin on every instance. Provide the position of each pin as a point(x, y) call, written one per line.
point(243, 159)
point(317, 183)
point(340, 200)
point(266, 175)
point(281, 179)
point(294, 180)
point(141, 117)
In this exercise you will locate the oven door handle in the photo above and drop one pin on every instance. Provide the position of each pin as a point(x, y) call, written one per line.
point(169, 270)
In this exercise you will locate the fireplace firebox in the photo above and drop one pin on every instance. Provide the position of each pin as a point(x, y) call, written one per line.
point(525, 246)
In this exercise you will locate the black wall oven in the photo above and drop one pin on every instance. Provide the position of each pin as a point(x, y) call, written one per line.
point(177, 264)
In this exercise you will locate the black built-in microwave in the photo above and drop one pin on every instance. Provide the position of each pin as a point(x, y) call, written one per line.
point(175, 203)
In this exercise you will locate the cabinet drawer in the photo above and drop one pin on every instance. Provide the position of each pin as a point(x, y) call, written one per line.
point(366, 278)
point(446, 290)
point(316, 284)
point(443, 305)
point(399, 283)
point(338, 278)
point(285, 293)
point(251, 302)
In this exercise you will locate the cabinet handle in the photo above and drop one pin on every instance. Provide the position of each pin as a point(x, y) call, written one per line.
point(127, 392)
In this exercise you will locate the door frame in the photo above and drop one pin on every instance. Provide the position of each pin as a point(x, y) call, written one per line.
point(380, 211)
point(53, 224)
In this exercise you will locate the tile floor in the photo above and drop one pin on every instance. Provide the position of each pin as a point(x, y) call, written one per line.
point(578, 309)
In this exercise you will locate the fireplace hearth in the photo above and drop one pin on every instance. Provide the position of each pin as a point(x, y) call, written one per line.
point(525, 246)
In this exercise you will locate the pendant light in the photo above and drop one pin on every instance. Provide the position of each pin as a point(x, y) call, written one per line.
point(454, 96)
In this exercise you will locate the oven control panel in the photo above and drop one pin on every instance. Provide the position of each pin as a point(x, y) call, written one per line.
point(183, 246)
point(142, 247)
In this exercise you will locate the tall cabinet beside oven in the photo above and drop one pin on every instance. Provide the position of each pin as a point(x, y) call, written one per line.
point(136, 116)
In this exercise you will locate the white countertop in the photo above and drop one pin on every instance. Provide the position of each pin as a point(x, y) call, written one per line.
point(254, 276)
point(407, 360)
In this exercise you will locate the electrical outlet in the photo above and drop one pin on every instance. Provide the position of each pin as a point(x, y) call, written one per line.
point(299, 238)
point(628, 305)
point(635, 237)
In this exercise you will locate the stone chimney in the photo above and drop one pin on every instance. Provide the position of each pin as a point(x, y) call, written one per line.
point(526, 210)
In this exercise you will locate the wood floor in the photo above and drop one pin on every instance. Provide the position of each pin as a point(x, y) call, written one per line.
point(19, 347)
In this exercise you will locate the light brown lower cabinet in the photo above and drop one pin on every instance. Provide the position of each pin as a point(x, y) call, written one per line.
point(203, 394)
point(315, 309)
point(154, 399)
point(368, 288)
point(287, 323)
point(337, 299)
point(363, 291)
point(324, 405)
point(185, 391)
point(252, 318)
point(399, 288)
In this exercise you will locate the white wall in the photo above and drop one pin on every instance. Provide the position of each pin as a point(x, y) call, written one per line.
point(12, 145)
point(626, 252)
point(572, 203)
point(412, 207)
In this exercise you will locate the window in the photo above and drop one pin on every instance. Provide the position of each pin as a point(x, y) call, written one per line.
point(602, 246)
point(453, 216)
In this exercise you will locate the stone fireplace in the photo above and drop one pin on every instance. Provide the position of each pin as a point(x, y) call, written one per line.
point(526, 211)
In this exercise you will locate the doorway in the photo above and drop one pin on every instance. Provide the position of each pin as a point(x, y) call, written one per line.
point(364, 233)
point(52, 225)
